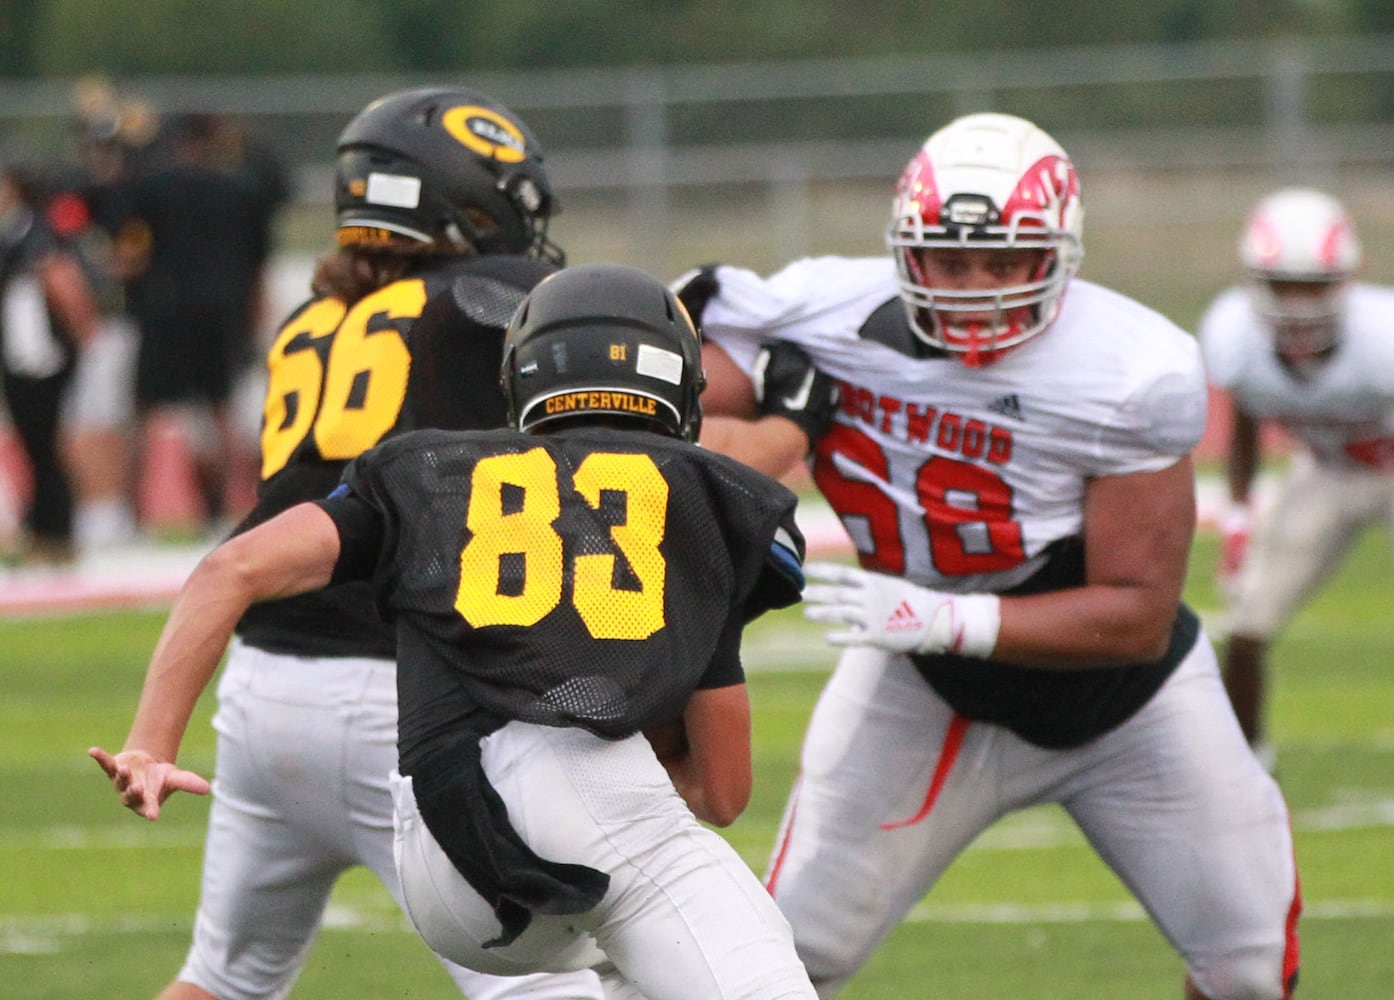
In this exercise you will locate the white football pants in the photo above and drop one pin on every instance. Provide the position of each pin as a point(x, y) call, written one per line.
point(684, 918)
point(301, 794)
point(1173, 801)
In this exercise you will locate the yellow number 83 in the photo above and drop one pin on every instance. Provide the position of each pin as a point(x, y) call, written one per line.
point(511, 570)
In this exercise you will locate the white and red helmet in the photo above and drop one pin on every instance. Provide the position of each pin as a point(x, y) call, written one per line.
point(987, 181)
point(1299, 251)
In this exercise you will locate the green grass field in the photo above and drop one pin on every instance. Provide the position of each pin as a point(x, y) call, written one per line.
point(97, 903)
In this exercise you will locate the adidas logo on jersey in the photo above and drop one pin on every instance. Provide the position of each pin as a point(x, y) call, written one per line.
point(903, 619)
point(1008, 406)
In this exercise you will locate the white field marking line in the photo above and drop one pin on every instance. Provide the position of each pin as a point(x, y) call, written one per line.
point(1046, 828)
point(340, 916)
point(1123, 912)
point(1351, 815)
point(47, 935)
point(82, 838)
point(1031, 829)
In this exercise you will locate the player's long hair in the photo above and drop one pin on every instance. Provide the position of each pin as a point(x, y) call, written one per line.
point(350, 273)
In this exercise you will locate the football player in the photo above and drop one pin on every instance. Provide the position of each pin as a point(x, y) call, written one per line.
point(442, 204)
point(1010, 457)
point(557, 589)
point(1302, 344)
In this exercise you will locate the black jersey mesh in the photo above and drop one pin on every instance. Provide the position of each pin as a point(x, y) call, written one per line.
point(718, 520)
point(488, 301)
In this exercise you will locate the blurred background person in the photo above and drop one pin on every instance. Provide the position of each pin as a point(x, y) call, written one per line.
point(1301, 344)
point(193, 243)
point(242, 152)
point(47, 310)
point(113, 137)
point(261, 169)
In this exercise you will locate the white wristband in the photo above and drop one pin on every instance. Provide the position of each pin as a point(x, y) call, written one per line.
point(974, 625)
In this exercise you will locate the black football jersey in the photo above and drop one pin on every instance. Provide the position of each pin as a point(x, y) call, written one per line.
point(591, 577)
point(423, 351)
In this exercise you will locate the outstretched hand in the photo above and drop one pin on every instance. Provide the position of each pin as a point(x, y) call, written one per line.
point(888, 612)
point(143, 782)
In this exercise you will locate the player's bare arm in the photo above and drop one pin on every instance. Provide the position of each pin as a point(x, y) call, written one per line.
point(1241, 466)
point(737, 424)
point(290, 554)
point(67, 290)
point(714, 775)
point(772, 445)
point(729, 391)
point(1137, 538)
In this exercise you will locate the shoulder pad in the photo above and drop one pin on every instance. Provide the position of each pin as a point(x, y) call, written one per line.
point(889, 325)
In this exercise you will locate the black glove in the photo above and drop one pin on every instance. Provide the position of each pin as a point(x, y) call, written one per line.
point(788, 385)
point(695, 289)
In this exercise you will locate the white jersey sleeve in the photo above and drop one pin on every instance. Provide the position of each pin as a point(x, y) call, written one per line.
point(820, 298)
point(1155, 374)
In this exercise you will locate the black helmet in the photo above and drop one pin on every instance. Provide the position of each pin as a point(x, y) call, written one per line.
point(603, 339)
point(444, 166)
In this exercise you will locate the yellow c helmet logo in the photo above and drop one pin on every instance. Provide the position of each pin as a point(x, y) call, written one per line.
point(486, 132)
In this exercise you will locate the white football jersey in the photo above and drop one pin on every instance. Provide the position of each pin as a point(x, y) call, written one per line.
point(956, 477)
point(1344, 411)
